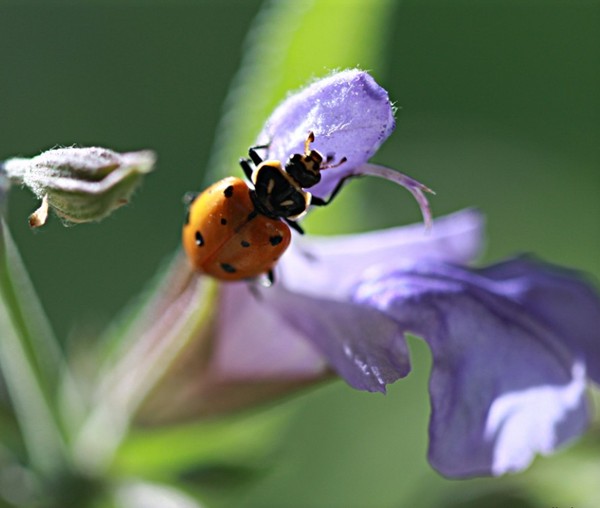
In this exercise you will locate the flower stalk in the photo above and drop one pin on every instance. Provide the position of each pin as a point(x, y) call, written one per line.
point(31, 361)
point(169, 328)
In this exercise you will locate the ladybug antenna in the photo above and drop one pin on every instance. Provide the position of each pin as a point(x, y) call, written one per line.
point(306, 168)
point(309, 139)
point(313, 153)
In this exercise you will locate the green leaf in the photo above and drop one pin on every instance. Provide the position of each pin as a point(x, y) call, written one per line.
point(173, 450)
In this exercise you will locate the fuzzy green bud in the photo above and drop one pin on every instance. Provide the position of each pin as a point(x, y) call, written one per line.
point(80, 184)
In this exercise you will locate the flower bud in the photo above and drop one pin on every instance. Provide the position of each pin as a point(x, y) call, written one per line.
point(80, 184)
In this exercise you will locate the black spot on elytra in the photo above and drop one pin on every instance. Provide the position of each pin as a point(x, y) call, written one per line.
point(228, 268)
point(223, 221)
point(244, 243)
point(275, 240)
point(199, 239)
point(228, 192)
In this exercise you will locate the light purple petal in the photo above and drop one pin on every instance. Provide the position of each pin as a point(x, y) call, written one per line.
point(279, 335)
point(253, 342)
point(305, 322)
point(331, 266)
point(528, 421)
point(363, 345)
point(350, 115)
point(560, 298)
point(505, 384)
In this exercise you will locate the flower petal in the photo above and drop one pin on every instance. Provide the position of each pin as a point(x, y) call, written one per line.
point(301, 325)
point(505, 383)
point(531, 420)
point(560, 298)
point(253, 342)
point(350, 115)
point(331, 266)
point(363, 345)
point(280, 335)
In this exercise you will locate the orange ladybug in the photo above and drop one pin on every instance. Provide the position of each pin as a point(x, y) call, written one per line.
point(234, 231)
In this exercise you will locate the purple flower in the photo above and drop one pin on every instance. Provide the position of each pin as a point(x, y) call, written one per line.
point(350, 116)
point(512, 344)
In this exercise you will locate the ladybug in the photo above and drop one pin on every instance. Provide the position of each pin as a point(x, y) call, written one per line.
point(235, 231)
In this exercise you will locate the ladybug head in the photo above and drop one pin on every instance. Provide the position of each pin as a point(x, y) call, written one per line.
point(305, 168)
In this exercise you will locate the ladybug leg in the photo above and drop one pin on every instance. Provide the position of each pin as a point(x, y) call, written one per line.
point(265, 280)
point(188, 198)
point(247, 168)
point(257, 159)
point(260, 147)
point(294, 225)
point(316, 201)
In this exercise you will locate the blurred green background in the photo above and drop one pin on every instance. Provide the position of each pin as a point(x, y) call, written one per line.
point(499, 108)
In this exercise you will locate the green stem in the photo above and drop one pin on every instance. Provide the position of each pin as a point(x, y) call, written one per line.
point(153, 351)
point(30, 361)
